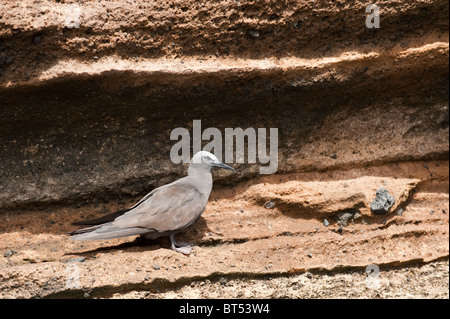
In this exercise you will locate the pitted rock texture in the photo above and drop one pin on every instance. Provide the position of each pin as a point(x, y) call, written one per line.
point(239, 238)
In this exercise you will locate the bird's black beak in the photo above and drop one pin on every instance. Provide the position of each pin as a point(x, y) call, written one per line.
point(222, 165)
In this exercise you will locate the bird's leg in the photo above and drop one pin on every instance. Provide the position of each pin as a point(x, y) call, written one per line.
point(181, 243)
point(181, 247)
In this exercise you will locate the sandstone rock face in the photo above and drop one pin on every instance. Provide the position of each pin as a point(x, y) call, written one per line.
point(90, 92)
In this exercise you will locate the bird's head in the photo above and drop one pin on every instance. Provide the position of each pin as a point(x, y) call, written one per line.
point(207, 161)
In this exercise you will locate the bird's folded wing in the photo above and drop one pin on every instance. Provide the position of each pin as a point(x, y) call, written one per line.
point(167, 209)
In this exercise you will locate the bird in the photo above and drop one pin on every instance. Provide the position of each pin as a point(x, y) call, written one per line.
point(165, 211)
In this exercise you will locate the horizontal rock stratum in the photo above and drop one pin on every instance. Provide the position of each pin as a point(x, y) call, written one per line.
point(91, 90)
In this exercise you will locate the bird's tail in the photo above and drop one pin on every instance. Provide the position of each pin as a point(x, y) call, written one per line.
point(106, 231)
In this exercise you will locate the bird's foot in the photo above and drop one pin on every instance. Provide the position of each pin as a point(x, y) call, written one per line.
point(181, 246)
point(185, 250)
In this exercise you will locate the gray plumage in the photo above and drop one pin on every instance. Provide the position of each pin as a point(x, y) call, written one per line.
point(164, 211)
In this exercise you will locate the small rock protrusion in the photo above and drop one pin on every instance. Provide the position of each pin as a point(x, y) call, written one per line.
point(223, 281)
point(344, 217)
point(156, 267)
point(298, 24)
point(254, 33)
point(76, 260)
point(383, 201)
point(269, 205)
point(9, 253)
point(326, 223)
